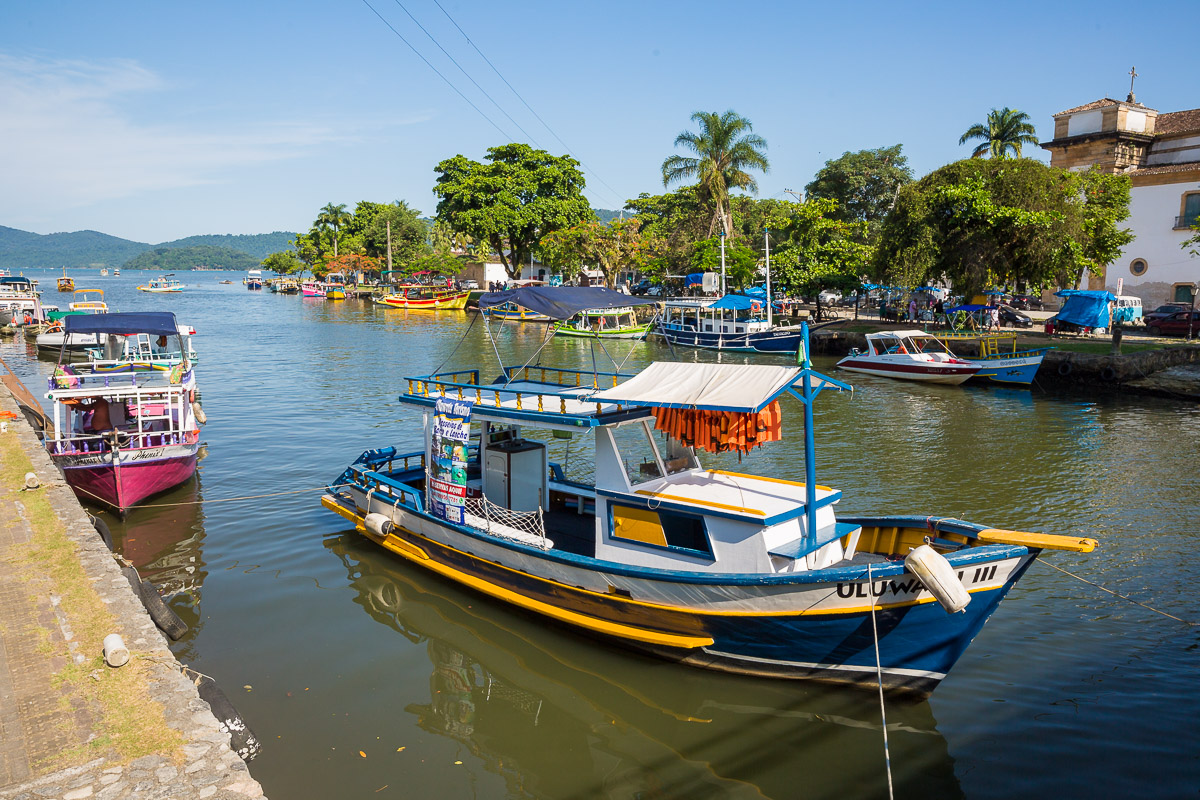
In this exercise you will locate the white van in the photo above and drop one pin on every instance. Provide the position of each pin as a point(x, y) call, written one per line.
point(1127, 310)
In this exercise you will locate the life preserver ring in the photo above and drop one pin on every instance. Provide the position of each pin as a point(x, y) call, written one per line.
point(1064, 369)
point(1108, 374)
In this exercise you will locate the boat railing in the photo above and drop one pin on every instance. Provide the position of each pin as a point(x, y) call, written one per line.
point(75, 443)
point(449, 384)
point(115, 375)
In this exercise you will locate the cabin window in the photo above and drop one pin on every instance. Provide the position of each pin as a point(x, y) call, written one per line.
point(638, 454)
point(659, 528)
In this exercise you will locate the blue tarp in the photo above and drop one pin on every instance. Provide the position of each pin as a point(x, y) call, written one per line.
point(694, 279)
point(737, 302)
point(561, 302)
point(1085, 308)
point(156, 323)
point(756, 292)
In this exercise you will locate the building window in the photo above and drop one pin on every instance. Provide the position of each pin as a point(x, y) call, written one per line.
point(1137, 267)
point(1189, 207)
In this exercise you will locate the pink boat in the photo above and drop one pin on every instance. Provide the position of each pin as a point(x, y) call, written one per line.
point(125, 428)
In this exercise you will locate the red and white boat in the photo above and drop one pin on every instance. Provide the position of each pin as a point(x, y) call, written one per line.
point(911, 356)
point(125, 428)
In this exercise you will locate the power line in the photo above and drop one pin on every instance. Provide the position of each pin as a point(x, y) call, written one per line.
point(546, 125)
point(464, 72)
point(435, 69)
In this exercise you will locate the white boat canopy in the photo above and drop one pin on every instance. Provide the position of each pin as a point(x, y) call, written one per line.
point(747, 388)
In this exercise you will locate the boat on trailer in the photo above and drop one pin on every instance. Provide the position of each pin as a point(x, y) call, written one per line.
point(909, 355)
point(124, 429)
point(708, 567)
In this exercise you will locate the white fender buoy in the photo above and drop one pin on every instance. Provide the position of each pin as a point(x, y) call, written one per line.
point(115, 652)
point(198, 412)
point(937, 576)
point(31, 480)
point(378, 524)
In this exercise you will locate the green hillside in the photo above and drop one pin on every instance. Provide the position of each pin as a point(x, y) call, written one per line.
point(179, 259)
point(259, 245)
point(23, 250)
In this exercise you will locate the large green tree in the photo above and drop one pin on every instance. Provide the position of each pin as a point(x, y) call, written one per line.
point(518, 196)
point(863, 183)
point(612, 248)
point(978, 223)
point(725, 150)
point(816, 249)
point(409, 234)
point(1004, 130)
point(285, 262)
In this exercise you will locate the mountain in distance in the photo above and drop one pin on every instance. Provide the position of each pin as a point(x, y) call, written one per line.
point(82, 249)
point(179, 259)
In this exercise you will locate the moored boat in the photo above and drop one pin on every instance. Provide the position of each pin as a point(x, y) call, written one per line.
point(734, 322)
point(998, 357)
point(124, 429)
point(421, 297)
point(313, 288)
point(709, 567)
point(335, 286)
point(254, 279)
point(909, 355)
point(162, 284)
point(604, 323)
point(66, 283)
point(510, 310)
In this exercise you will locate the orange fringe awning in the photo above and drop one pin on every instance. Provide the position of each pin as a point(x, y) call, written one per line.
point(721, 431)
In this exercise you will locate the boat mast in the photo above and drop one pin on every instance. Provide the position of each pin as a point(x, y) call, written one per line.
point(810, 466)
point(767, 245)
point(722, 263)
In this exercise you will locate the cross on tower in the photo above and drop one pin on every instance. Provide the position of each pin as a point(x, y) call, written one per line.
point(1132, 75)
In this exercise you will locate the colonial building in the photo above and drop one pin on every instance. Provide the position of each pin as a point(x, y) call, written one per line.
point(1160, 152)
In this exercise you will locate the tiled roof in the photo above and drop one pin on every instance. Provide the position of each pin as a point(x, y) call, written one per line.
point(1107, 101)
point(1162, 169)
point(1177, 122)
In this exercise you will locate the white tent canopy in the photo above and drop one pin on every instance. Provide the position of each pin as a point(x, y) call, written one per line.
point(712, 387)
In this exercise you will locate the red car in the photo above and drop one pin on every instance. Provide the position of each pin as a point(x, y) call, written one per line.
point(1175, 325)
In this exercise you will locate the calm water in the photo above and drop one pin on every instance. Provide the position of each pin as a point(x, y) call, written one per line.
point(332, 649)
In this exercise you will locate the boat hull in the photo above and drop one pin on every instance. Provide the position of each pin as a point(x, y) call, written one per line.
point(786, 340)
point(813, 625)
point(136, 474)
point(1013, 370)
point(450, 302)
point(632, 332)
point(924, 372)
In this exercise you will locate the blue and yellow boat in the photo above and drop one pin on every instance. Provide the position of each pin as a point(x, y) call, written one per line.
point(718, 569)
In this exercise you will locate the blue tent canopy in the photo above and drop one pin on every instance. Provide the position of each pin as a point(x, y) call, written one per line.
point(737, 302)
point(1085, 307)
point(156, 323)
point(756, 292)
point(694, 279)
point(968, 308)
point(561, 302)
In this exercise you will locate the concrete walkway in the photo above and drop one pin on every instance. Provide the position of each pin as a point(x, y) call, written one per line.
point(42, 718)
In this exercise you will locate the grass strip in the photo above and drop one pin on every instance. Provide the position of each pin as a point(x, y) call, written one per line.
point(130, 724)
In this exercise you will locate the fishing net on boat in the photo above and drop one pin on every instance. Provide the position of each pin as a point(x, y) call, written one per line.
point(520, 526)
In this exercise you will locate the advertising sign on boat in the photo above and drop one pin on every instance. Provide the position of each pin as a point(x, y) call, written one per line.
point(448, 462)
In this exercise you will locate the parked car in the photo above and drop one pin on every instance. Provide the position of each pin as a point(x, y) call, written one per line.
point(830, 298)
point(469, 283)
point(1010, 316)
point(1164, 311)
point(1024, 302)
point(641, 287)
point(1175, 325)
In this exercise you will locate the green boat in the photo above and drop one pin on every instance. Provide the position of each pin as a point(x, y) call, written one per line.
point(607, 323)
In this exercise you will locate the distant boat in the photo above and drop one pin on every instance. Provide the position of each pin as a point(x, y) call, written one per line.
point(104, 273)
point(66, 284)
point(254, 279)
point(116, 273)
point(166, 283)
point(335, 286)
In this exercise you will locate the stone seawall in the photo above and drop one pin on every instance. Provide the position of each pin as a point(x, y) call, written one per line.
point(207, 767)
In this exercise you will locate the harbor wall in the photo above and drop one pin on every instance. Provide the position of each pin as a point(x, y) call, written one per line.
point(207, 766)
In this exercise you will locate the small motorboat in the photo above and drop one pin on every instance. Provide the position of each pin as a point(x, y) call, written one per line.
point(254, 279)
point(66, 283)
point(166, 283)
point(909, 355)
point(604, 323)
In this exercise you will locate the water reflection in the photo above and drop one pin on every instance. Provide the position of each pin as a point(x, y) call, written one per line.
point(556, 716)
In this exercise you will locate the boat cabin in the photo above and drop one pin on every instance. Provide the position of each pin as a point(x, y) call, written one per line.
point(911, 342)
point(728, 316)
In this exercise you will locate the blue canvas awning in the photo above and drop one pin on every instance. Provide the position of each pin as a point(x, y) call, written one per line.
point(1087, 308)
point(561, 302)
point(156, 323)
point(737, 302)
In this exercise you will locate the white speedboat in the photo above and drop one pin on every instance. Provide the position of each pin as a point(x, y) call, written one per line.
point(910, 355)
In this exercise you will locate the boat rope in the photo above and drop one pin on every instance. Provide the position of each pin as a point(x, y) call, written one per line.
point(221, 500)
point(462, 339)
point(537, 355)
point(887, 757)
point(1115, 594)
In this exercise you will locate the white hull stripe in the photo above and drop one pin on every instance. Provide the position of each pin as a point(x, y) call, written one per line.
point(912, 673)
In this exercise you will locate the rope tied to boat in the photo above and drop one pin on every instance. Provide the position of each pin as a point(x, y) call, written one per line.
point(887, 757)
point(1116, 594)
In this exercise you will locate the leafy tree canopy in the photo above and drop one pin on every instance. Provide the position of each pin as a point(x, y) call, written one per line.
point(285, 262)
point(612, 248)
point(512, 201)
point(978, 223)
point(409, 233)
point(864, 184)
point(817, 249)
point(741, 261)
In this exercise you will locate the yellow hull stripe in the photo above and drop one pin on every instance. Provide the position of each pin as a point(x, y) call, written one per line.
point(764, 478)
point(537, 605)
point(693, 501)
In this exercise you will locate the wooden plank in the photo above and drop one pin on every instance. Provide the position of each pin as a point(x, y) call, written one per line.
point(1037, 541)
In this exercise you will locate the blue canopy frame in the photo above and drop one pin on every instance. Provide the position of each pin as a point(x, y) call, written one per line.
point(561, 302)
point(158, 323)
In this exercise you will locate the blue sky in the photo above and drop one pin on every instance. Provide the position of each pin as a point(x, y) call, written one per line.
point(155, 120)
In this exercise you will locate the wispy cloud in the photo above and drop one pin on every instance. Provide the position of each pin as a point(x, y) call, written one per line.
point(69, 139)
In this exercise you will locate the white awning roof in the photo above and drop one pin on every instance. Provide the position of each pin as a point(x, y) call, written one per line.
point(713, 387)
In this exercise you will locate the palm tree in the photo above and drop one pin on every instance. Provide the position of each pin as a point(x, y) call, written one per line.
point(332, 216)
point(724, 150)
point(1006, 129)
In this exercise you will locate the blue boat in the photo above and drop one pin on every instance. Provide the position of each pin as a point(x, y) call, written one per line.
point(712, 568)
point(999, 358)
point(734, 323)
